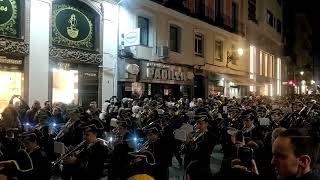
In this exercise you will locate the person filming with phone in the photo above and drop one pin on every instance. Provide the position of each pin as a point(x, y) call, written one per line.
point(242, 164)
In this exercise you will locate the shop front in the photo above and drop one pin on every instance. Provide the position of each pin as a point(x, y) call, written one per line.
point(128, 85)
point(216, 85)
point(13, 50)
point(166, 80)
point(74, 54)
point(11, 78)
point(230, 85)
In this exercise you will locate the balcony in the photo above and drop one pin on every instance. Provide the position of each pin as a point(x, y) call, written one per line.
point(141, 52)
point(204, 13)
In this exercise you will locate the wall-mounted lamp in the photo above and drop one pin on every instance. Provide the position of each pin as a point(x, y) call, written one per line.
point(231, 55)
point(301, 73)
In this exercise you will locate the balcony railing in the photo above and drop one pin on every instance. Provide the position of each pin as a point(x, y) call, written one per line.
point(204, 13)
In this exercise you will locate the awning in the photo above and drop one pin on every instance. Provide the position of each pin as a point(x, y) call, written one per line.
point(241, 80)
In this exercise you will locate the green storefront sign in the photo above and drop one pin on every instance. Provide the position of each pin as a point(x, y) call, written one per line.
point(72, 27)
point(9, 21)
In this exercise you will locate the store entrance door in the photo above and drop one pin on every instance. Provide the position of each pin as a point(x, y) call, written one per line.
point(11, 84)
point(199, 86)
point(65, 86)
point(88, 85)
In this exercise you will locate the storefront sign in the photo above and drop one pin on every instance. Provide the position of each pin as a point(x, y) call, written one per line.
point(132, 38)
point(5, 60)
point(73, 26)
point(169, 74)
point(64, 66)
point(90, 74)
point(133, 69)
point(9, 25)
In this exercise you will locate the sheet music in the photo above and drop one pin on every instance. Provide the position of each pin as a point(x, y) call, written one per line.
point(59, 148)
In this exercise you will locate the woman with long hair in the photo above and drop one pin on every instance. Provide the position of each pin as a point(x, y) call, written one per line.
point(10, 118)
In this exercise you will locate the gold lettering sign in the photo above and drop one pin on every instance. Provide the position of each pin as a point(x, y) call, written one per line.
point(64, 66)
point(9, 18)
point(72, 30)
point(5, 60)
point(73, 26)
point(3, 8)
point(164, 73)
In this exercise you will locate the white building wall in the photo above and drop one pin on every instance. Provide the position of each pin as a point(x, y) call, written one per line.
point(110, 32)
point(266, 38)
point(38, 78)
point(161, 18)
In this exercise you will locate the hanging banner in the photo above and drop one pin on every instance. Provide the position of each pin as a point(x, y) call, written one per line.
point(73, 26)
point(9, 18)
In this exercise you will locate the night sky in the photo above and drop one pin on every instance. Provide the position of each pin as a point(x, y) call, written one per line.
point(311, 9)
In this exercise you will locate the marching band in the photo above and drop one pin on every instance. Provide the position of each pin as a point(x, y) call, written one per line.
point(131, 138)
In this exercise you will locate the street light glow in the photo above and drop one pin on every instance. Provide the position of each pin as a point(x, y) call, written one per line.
point(240, 51)
point(301, 72)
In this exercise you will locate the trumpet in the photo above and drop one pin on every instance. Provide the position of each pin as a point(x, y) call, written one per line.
point(144, 146)
point(196, 135)
point(60, 159)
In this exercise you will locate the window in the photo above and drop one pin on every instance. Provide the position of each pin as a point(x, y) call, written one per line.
point(261, 63)
point(234, 17)
point(271, 66)
point(234, 54)
point(278, 76)
point(143, 24)
point(198, 44)
point(199, 7)
point(252, 10)
point(253, 58)
point(266, 65)
point(175, 38)
point(218, 50)
point(269, 18)
point(278, 26)
point(219, 7)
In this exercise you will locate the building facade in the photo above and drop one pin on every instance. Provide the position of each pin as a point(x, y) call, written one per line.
point(182, 48)
point(81, 51)
point(302, 56)
point(202, 38)
point(268, 65)
point(55, 50)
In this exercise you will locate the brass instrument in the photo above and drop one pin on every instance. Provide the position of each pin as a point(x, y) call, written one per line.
point(143, 154)
point(62, 131)
point(144, 146)
point(194, 137)
point(60, 159)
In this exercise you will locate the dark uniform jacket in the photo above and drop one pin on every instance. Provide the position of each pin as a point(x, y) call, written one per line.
point(163, 156)
point(91, 162)
point(41, 166)
point(197, 159)
point(308, 176)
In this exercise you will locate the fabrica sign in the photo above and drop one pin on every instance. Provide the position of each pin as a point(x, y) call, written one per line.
point(162, 73)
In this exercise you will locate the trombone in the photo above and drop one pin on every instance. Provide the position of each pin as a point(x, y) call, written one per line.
point(193, 138)
point(60, 159)
point(144, 154)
